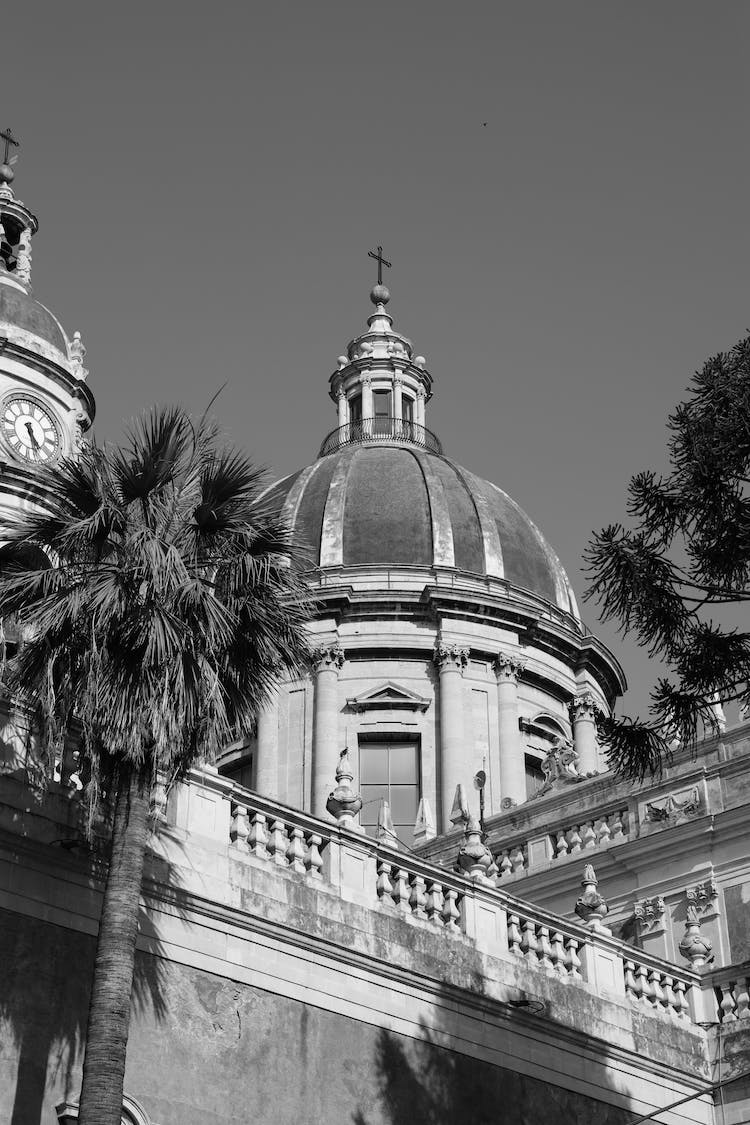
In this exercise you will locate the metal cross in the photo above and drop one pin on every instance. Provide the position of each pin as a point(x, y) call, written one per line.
point(378, 258)
point(9, 139)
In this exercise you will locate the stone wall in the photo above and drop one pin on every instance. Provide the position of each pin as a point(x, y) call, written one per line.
point(207, 1050)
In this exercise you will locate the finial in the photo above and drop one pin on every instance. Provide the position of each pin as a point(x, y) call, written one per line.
point(380, 295)
point(6, 170)
point(343, 803)
point(591, 908)
point(381, 262)
point(474, 857)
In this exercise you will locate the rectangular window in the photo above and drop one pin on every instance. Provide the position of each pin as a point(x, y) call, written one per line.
point(389, 771)
point(355, 408)
point(407, 408)
point(381, 408)
point(534, 775)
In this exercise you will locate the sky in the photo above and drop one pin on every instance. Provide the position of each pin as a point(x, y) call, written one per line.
point(561, 188)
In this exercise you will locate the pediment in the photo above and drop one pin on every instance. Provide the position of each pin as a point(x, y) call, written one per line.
point(388, 696)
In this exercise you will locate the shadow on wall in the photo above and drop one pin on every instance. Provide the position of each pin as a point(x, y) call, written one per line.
point(45, 981)
point(419, 1082)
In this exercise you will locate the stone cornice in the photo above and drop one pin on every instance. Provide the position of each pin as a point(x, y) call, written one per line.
point(53, 371)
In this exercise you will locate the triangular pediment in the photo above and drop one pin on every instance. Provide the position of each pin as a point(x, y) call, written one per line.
point(388, 696)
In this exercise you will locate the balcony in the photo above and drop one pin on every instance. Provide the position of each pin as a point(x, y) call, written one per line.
point(382, 429)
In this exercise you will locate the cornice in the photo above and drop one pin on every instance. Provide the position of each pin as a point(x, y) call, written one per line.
point(53, 371)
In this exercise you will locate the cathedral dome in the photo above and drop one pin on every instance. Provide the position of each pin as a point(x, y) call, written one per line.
point(386, 504)
point(20, 313)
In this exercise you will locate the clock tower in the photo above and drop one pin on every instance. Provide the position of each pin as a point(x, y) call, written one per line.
point(45, 405)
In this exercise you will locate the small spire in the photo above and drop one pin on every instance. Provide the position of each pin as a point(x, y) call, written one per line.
point(343, 803)
point(591, 908)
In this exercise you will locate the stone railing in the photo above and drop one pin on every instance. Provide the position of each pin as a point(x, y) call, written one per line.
point(731, 987)
point(562, 841)
point(362, 870)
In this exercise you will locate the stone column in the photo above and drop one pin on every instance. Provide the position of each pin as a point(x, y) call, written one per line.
point(419, 413)
point(328, 660)
point(267, 749)
point(451, 661)
point(366, 396)
point(397, 402)
point(23, 265)
point(343, 406)
point(583, 717)
point(508, 668)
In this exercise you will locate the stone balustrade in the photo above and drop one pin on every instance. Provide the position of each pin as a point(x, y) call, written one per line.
point(731, 988)
point(359, 868)
point(563, 841)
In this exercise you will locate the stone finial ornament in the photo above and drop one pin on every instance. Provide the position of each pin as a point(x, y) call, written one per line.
point(343, 804)
point(460, 807)
point(591, 908)
point(474, 857)
point(694, 947)
point(385, 831)
point(424, 825)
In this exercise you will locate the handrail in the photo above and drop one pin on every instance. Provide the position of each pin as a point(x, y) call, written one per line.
point(385, 428)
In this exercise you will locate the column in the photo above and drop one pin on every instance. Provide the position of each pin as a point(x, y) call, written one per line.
point(583, 717)
point(367, 397)
point(451, 661)
point(508, 668)
point(327, 662)
point(419, 419)
point(267, 749)
point(343, 406)
point(397, 402)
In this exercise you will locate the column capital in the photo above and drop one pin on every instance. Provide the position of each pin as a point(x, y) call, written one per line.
point(450, 656)
point(366, 379)
point(397, 376)
point(583, 706)
point(340, 392)
point(421, 392)
point(328, 656)
point(508, 666)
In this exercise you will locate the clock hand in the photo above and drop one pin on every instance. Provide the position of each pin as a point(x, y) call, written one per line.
point(30, 431)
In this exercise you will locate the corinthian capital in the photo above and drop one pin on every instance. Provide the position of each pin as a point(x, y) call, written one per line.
point(583, 706)
point(328, 656)
point(508, 666)
point(450, 656)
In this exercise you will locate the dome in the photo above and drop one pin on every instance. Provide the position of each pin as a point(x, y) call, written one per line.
point(387, 505)
point(19, 311)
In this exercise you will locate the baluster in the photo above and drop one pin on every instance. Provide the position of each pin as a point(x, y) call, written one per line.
point(516, 859)
point(434, 906)
point(668, 990)
point(742, 996)
point(617, 828)
point(418, 897)
point(604, 833)
point(239, 829)
point(630, 985)
point(574, 839)
point(384, 884)
point(589, 836)
point(451, 913)
point(727, 1004)
point(402, 890)
point(313, 858)
point(558, 953)
point(295, 852)
point(505, 866)
point(514, 933)
point(680, 1000)
point(258, 837)
point(529, 944)
point(561, 846)
point(278, 843)
point(545, 949)
point(657, 994)
point(573, 960)
point(644, 991)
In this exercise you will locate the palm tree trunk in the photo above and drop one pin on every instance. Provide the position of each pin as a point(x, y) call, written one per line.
point(109, 1009)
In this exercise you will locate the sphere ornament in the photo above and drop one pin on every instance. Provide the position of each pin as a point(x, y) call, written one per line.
point(7, 175)
point(380, 295)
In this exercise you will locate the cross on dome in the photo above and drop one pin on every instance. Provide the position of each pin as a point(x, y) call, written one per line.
point(381, 262)
point(6, 171)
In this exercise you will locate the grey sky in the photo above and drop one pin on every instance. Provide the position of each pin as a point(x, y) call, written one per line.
point(210, 177)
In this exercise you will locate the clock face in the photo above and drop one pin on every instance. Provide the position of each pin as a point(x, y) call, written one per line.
point(30, 430)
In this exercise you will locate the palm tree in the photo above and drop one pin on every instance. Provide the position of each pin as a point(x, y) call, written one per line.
point(170, 610)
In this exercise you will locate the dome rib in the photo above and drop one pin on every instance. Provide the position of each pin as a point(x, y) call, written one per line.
point(494, 563)
point(443, 547)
